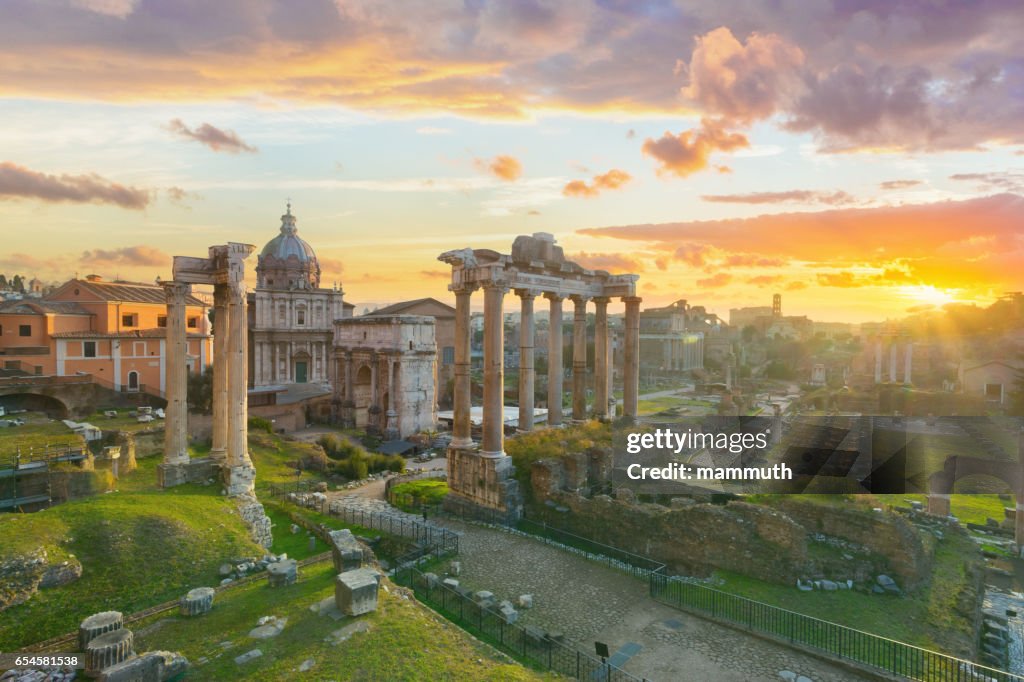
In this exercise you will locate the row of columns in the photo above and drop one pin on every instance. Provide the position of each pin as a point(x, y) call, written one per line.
point(908, 350)
point(269, 354)
point(494, 362)
point(230, 409)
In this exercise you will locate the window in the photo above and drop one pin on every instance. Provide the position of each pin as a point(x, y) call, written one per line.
point(128, 320)
point(161, 320)
point(193, 322)
point(88, 349)
point(25, 330)
point(994, 392)
point(133, 381)
point(448, 355)
point(1, 330)
point(300, 317)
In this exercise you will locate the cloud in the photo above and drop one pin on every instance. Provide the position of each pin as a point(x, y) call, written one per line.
point(715, 281)
point(838, 279)
point(215, 138)
point(750, 260)
point(764, 280)
point(333, 267)
point(997, 181)
point(899, 184)
point(692, 254)
point(796, 286)
point(613, 179)
point(140, 256)
point(22, 261)
point(974, 244)
point(433, 130)
point(613, 262)
point(742, 83)
point(688, 152)
point(436, 274)
point(20, 182)
point(803, 196)
point(503, 167)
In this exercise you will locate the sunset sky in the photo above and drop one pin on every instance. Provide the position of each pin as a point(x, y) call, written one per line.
point(860, 158)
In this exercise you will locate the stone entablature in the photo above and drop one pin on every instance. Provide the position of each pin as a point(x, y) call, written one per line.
point(386, 369)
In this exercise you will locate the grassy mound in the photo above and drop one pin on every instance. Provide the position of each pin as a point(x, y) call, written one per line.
point(403, 640)
point(138, 547)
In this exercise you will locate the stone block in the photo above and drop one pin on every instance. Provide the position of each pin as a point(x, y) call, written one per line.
point(508, 612)
point(355, 592)
point(281, 573)
point(484, 598)
point(248, 656)
point(431, 580)
point(346, 550)
point(197, 601)
point(451, 583)
point(96, 625)
point(152, 666)
point(525, 601)
point(455, 568)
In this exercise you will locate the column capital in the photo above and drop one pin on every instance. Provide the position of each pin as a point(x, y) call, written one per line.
point(579, 299)
point(601, 300)
point(553, 297)
point(465, 288)
point(491, 285)
point(176, 291)
point(631, 299)
point(526, 294)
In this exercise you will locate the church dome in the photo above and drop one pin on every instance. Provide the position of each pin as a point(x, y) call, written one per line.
point(288, 262)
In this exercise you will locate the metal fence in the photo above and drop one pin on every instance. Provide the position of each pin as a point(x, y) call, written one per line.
point(527, 644)
point(439, 541)
point(893, 657)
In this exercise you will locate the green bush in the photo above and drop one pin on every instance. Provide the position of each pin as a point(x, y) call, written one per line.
point(339, 447)
point(260, 424)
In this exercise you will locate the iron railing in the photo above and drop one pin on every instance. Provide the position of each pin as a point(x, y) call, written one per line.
point(839, 641)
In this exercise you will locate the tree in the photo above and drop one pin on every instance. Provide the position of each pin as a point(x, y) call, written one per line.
point(3, 281)
point(18, 284)
point(200, 391)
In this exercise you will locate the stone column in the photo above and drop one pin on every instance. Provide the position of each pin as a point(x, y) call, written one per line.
point(462, 429)
point(218, 451)
point(631, 362)
point(239, 473)
point(526, 376)
point(579, 359)
point(908, 358)
point(892, 361)
point(554, 360)
point(176, 419)
point(601, 364)
point(878, 361)
point(494, 371)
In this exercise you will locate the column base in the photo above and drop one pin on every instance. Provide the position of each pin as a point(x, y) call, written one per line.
point(170, 474)
point(483, 480)
point(239, 480)
point(219, 455)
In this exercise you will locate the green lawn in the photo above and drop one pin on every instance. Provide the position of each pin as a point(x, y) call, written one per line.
point(38, 433)
point(404, 640)
point(411, 495)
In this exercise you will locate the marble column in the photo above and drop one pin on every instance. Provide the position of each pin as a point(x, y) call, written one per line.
point(240, 472)
point(601, 364)
point(526, 375)
point(908, 358)
point(892, 361)
point(218, 451)
point(554, 360)
point(494, 371)
point(631, 363)
point(462, 428)
point(579, 358)
point(878, 362)
point(176, 414)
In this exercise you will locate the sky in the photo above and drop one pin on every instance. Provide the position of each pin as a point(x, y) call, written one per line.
point(863, 159)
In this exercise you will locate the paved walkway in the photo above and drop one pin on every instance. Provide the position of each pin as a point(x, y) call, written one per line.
point(590, 602)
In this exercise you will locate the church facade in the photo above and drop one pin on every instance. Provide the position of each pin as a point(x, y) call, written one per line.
point(291, 317)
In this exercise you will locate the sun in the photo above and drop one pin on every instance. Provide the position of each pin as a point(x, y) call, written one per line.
point(926, 293)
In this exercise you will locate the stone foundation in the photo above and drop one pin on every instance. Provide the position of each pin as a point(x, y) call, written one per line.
point(239, 480)
point(196, 602)
point(355, 592)
point(194, 471)
point(346, 550)
point(484, 482)
point(256, 519)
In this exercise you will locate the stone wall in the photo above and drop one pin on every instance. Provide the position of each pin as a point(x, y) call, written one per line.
point(256, 520)
point(22, 575)
point(775, 544)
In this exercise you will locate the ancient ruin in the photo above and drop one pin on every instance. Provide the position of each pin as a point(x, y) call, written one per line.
point(481, 475)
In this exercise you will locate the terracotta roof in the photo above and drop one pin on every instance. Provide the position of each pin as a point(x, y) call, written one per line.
point(157, 333)
point(61, 307)
point(134, 292)
point(403, 306)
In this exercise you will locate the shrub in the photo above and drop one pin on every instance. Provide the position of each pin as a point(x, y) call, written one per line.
point(260, 424)
point(339, 447)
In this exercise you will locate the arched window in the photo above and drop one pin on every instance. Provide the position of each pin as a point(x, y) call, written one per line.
point(133, 381)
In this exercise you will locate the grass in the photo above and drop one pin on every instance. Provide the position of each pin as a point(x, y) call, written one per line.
point(275, 458)
point(37, 434)
point(932, 617)
point(404, 640)
point(137, 547)
point(411, 495)
point(123, 422)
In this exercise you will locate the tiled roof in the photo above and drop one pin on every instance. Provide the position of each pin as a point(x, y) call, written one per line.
point(134, 292)
point(62, 307)
point(403, 306)
point(157, 333)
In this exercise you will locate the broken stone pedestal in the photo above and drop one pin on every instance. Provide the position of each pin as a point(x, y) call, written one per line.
point(96, 625)
point(355, 592)
point(347, 552)
point(152, 666)
point(196, 602)
point(284, 572)
point(107, 650)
